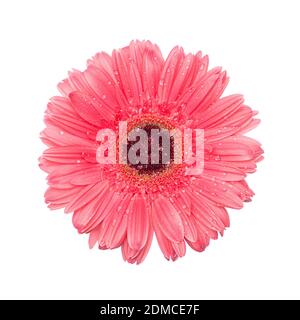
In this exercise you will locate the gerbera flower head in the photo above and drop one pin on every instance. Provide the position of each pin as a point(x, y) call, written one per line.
point(124, 203)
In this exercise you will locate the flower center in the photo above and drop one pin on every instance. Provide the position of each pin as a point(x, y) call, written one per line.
point(155, 151)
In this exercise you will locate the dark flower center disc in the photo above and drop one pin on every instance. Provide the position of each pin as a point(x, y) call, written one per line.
point(163, 152)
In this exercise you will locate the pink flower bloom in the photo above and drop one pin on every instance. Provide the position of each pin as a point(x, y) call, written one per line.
point(122, 205)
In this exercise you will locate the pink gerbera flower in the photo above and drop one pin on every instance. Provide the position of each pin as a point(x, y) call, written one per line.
point(123, 205)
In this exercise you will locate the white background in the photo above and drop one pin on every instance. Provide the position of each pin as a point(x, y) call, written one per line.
point(257, 42)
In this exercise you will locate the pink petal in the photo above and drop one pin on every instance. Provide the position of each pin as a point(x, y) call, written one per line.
point(138, 223)
point(219, 111)
point(165, 244)
point(112, 230)
point(105, 89)
point(199, 245)
point(152, 66)
point(78, 177)
point(143, 253)
point(205, 92)
point(119, 227)
point(183, 77)
point(219, 192)
point(71, 154)
point(56, 196)
point(122, 73)
point(105, 205)
point(128, 253)
point(89, 109)
point(73, 126)
point(206, 215)
point(168, 219)
point(223, 171)
point(85, 196)
point(179, 248)
point(93, 236)
point(55, 136)
point(190, 231)
point(75, 82)
point(103, 61)
point(168, 74)
point(182, 202)
point(62, 106)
